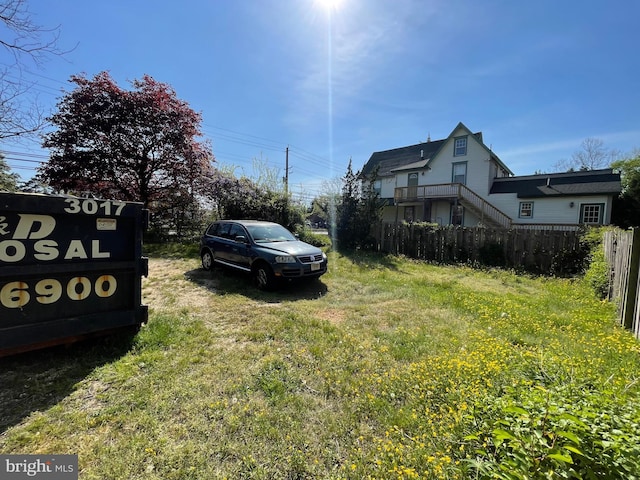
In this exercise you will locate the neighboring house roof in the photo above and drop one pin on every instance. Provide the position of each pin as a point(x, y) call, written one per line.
point(314, 217)
point(415, 157)
point(588, 182)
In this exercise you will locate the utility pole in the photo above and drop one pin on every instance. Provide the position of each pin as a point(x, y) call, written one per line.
point(286, 186)
point(286, 173)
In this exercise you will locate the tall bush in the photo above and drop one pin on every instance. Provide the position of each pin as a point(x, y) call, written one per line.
point(597, 272)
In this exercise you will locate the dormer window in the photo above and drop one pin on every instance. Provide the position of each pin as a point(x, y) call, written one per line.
point(460, 146)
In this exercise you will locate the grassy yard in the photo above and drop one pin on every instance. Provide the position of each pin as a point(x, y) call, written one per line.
point(386, 368)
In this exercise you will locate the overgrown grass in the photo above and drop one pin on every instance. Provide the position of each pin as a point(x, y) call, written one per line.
point(387, 368)
point(171, 250)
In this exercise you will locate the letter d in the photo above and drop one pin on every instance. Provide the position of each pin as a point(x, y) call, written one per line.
point(26, 226)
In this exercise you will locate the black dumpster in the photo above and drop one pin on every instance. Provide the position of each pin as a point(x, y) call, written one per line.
point(69, 268)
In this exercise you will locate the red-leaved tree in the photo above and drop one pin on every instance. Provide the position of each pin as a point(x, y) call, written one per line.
point(135, 145)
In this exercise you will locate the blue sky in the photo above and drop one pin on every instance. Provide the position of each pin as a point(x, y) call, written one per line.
point(536, 78)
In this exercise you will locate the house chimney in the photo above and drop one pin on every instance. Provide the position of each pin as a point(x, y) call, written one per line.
point(428, 137)
point(548, 181)
point(421, 154)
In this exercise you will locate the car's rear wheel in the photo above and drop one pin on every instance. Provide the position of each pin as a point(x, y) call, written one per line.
point(263, 276)
point(207, 260)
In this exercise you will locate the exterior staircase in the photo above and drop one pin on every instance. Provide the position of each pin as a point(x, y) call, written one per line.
point(488, 213)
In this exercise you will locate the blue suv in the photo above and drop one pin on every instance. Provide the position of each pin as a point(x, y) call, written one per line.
point(266, 250)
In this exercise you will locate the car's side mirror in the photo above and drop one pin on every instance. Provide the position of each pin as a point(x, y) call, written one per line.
point(241, 239)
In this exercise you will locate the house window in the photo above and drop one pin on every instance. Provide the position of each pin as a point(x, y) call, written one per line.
point(591, 213)
point(377, 187)
point(459, 173)
point(409, 214)
point(457, 215)
point(526, 210)
point(460, 146)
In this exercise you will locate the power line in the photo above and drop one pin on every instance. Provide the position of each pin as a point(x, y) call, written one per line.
point(304, 168)
point(24, 154)
point(14, 159)
point(29, 85)
point(272, 143)
point(312, 157)
point(18, 167)
point(250, 143)
point(46, 78)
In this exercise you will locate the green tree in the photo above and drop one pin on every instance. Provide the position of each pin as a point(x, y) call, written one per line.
point(626, 208)
point(369, 211)
point(8, 179)
point(243, 198)
point(325, 204)
point(358, 213)
point(346, 211)
point(35, 185)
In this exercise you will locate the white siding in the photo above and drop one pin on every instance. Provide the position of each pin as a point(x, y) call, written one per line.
point(477, 160)
point(507, 203)
point(481, 170)
point(441, 214)
point(549, 210)
point(387, 187)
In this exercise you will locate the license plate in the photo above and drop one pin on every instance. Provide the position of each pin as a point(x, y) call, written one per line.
point(315, 266)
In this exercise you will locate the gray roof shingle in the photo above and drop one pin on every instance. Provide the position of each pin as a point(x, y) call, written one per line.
point(395, 159)
point(588, 182)
point(415, 157)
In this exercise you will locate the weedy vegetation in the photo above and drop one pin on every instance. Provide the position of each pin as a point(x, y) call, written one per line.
point(385, 368)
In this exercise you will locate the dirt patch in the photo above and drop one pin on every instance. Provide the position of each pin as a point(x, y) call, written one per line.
point(168, 285)
point(332, 316)
point(89, 398)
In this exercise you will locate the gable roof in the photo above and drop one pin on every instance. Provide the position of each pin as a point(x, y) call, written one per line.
point(415, 157)
point(588, 182)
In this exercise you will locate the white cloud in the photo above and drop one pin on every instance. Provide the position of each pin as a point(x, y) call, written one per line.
point(366, 38)
point(537, 148)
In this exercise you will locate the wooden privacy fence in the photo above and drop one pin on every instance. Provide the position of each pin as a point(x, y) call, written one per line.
point(622, 253)
point(546, 251)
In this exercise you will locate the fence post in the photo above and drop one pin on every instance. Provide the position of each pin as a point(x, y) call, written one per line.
point(628, 307)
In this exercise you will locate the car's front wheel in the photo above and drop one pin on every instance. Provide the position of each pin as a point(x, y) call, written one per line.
point(263, 276)
point(207, 260)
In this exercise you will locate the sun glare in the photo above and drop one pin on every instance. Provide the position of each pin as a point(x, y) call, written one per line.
point(328, 4)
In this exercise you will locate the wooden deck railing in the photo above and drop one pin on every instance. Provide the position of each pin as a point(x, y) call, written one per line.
point(421, 192)
point(564, 227)
point(486, 210)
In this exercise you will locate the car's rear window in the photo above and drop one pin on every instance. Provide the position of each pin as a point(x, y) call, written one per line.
point(212, 229)
point(219, 230)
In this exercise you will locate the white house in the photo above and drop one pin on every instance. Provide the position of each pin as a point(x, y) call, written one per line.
point(460, 181)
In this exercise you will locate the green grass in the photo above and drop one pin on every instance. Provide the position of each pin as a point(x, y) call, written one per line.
point(387, 368)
